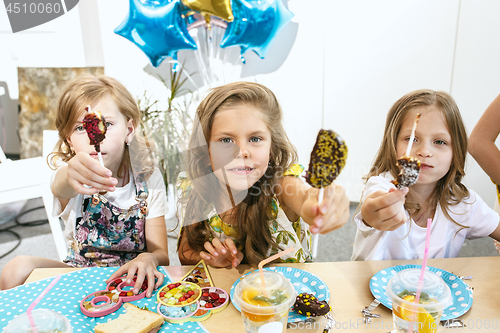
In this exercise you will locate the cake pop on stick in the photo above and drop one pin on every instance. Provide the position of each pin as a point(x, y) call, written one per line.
point(95, 125)
point(409, 166)
point(328, 158)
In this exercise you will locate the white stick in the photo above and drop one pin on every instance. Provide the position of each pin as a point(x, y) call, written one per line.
point(320, 195)
point(316, 236)
point(100, 158)
point(412, 135)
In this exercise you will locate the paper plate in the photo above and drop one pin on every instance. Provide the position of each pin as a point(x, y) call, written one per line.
point(304, 282)
point(461, 292)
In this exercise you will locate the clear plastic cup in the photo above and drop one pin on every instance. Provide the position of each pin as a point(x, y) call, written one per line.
point(434, 298)
point(264, 314)
point(45, 321)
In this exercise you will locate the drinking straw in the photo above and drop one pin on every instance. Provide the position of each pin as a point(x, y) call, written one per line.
point(265, 261)
point(422, 271)
point(38, 299)
point(412, 135)
point(424, 263)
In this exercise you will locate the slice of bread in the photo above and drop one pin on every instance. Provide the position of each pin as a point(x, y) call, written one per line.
point(135, 320)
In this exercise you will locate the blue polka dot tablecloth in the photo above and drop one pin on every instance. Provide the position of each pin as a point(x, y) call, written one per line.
point(65, 297)
point(461, 293)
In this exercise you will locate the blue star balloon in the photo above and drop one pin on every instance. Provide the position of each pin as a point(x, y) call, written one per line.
point(256, 24)
point(158, 28)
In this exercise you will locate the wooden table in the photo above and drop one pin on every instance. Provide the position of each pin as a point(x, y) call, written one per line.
point(349, 288)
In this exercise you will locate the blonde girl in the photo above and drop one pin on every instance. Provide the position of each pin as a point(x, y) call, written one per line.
point(242, 200)
point(114, 214)
point(392, 223)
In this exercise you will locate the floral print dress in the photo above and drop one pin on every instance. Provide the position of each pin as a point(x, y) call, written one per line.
point(109, 236)
point(285, 233)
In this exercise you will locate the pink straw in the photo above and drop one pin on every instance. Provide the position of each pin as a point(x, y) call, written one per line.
point(38, 299)
point(265, 261)
point(424, 265)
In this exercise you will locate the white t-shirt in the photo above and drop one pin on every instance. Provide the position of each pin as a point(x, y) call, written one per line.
point(122, 197)
point(408, 241)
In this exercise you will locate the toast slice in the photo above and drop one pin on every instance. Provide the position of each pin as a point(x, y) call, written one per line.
point(135, 320)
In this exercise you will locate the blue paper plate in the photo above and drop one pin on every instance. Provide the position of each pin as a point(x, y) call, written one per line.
point(304, 282)
point(460, 291)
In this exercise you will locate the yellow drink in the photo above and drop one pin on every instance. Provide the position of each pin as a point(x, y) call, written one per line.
point(423, 317)
point(406, 316)
point(264, 311)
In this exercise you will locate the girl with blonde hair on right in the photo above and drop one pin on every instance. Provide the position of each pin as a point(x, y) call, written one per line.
point(392, 223)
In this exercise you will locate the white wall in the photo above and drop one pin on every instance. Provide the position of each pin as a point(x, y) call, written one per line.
point(338, 65)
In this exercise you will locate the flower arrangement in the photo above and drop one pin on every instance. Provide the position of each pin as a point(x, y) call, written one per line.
point(168, 127)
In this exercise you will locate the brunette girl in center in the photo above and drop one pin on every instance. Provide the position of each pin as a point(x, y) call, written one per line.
point(242, 199)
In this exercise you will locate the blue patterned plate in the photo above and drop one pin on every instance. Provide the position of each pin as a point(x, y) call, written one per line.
point(304, 282)
point(461, 295)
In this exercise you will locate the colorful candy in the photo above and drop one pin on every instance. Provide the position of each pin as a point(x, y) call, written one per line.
point(178, 294)
point(199, 275)
point(212, 298)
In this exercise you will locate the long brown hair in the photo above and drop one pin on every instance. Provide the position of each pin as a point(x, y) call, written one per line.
point(87, 89)
point(252, 214)
point(449, 190)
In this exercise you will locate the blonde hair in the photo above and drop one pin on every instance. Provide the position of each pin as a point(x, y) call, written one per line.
point(449, 190)
point(253, 216)
point(87, 89)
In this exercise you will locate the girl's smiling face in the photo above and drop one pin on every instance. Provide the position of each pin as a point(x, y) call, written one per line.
point(118, 131)
point(432, 144)
point(240, 144)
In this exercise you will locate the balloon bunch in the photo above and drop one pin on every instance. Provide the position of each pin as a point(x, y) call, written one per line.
point(160, 28)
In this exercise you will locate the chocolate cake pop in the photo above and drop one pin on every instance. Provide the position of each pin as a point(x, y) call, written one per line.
point(328, 158)
point(409, 167)
point(95, 125)
point(408, 173)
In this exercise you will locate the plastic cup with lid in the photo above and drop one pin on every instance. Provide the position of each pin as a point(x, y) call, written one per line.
point(423, 317)
point(46, 321)
point(264, 312)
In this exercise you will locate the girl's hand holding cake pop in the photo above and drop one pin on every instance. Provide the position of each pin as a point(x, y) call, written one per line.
point(83, 170)
point(325, 216)
point(385, 211)
point(326, 207)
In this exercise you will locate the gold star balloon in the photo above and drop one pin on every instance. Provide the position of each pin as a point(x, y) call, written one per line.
point(220, 8)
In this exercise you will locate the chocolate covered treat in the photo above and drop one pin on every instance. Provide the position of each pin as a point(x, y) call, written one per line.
point(409, 167)
point(95, 125)
point(328, 158)
point(408, 173)
point(310, 306)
